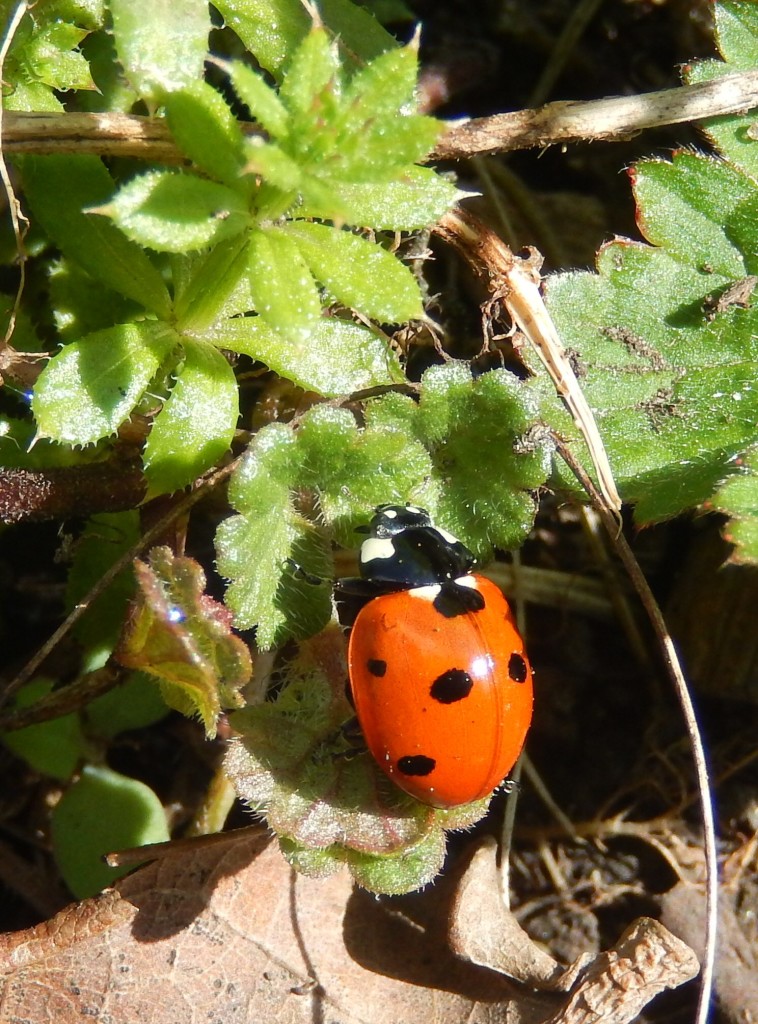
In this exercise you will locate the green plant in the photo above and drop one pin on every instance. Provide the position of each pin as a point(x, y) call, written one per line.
point(275, 242)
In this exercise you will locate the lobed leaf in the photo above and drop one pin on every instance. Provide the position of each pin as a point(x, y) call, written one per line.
point(182, 637)
point(737, 40)
point(738, 498)
point(666, 357)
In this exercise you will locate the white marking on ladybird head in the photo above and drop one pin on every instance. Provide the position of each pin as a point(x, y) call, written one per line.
point(375, 549)
point(415, 510)
point(466, 581)
point(390, 513)
point(429, 593)
point(449, 537)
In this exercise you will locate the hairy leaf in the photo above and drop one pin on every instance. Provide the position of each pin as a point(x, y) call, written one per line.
point(272, 29)
point(92, 242)
point(174, 212)
point(359, 273)
point(194, 429)
point(338, 357)
point(161, 43)
point(89, 388)
point(207, 131)
point(181, 636)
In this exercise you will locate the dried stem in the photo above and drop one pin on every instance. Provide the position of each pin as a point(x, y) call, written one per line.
point(612, 119)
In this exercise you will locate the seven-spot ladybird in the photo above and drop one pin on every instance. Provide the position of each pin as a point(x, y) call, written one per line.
point(441, 685)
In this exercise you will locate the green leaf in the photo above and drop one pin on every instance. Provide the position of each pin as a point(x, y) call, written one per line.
point(180, 635)
point(206, 130)
point(384, 88)
point(161, 44)
point(134, 704)
point(195, 427)
point(263, 101)
point(359, 273)
point(352, 471)
point(417, 199)
point(53, 748)
point(42, 58)
point(215, 283)
point(666, 359)
point(88, 389)
point(272, 29)
point(411, 869)
point(174, 212)
point(106, 537)
point(737, 497)
point(283, 288)
point(337, 358)
point(273, 165)
point(385, 146)
point(92, 242)
point(497, 478)
point(698, 204)
point(81, 304)
point(737, 39)
point(101, 812)
point(314, 66)
point(253, 547)
point(52, 53)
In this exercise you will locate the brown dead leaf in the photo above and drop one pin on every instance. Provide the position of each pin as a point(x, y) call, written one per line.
point(620, 983)
point(229, 934)
point(614, 988)
point(483, 931)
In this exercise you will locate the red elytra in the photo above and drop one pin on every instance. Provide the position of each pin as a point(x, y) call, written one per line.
point(444, 701)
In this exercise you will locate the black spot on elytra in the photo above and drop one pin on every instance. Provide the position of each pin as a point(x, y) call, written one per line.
point(377, 667)
point(517, 668)
point(453, 600)
point(451, 686)
point(416, 764)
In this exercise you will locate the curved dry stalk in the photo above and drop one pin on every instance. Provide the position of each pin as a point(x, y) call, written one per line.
point(676, 675)
point(515, 283)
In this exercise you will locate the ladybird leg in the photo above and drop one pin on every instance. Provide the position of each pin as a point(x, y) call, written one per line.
point(353, 592)
point(303, 574)
point(352, 734)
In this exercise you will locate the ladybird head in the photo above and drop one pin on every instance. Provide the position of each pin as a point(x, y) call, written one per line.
point(389, 520)
point(404, 547)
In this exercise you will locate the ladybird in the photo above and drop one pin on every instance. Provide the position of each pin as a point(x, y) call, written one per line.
point(441, 686)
